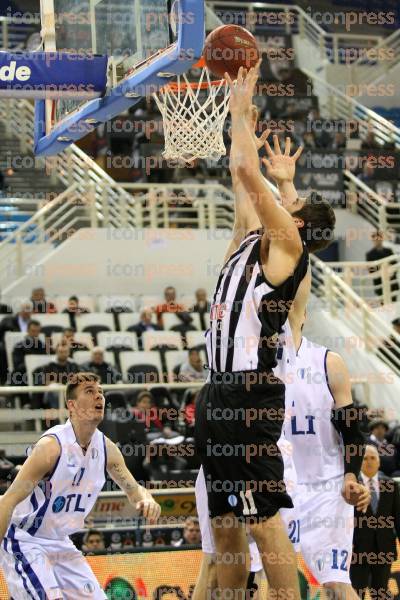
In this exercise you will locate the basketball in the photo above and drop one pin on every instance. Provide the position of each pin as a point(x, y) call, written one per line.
point(228, 48)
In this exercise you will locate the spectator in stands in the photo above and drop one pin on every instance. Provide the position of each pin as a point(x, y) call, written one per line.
point(2, 183)
point(18, 322)
point(370, 142)
point(368, 172)
point(73, 309)
point(193, 369)
point(145, 324)
point(68, 337)
point(58, 370)
point(93, 541)
point(31, 344)
point(39, 302)
point(145, 412)
point(316, 124)
point(172, 306)
point(378, 430)
point(202, 306)
point(107, 373)
point(378, 252)
point(339, 141)
point(309, 140)
point(191, 533)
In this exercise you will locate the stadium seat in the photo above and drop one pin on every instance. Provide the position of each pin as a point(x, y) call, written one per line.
point(94, 323)
point(155, 339)
point(52, 320)
point(34, 361)
point(80, 337)
point(117, 303)
point(173, 360)
point(196, 339)
point(149, 301)
point(112, 339)
point(133, 362)
point(82, 356)
point(197, 322)
point(170, 320)
point(11, 338)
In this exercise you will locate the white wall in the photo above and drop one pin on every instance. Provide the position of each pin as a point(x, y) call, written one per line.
point(384, 385)
point(116, 261)
point(354, 235)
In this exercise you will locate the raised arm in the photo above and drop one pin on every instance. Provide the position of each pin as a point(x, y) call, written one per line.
point(41, 461)
point(137, 495)
point(246, 218)
point(281, 230)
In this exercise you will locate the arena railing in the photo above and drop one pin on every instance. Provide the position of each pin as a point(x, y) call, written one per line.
point(335, 104)
point(20, 415)
point(373, 207)
point(372, 281)
point(14, 31)
point(297, 21)
point(377, 68)
point(343, 302)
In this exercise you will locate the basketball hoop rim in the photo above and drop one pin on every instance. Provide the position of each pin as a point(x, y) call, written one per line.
point(173, 86)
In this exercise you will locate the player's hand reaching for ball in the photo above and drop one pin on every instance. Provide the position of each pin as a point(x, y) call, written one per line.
point(281, 167)
point(149, 509)
point(242, 90)
point(355, 493)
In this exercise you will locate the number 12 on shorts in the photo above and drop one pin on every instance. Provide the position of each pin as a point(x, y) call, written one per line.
point(339, 559)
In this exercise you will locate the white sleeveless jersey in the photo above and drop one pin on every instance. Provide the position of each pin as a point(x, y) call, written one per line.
point(59, 504)
point(317, 445)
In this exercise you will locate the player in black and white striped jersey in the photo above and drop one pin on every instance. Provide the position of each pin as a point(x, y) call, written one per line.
point(241, 408)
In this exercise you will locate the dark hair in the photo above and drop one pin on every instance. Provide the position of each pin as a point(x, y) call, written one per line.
point(69, 329)
point(378, 423)
point(396, 322)
point(319, 222)
point(74, 298)
point(92, 532)
point(75, 379)
point(34, 322)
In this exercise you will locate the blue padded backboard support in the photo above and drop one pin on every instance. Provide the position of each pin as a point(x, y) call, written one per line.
point(145, 80)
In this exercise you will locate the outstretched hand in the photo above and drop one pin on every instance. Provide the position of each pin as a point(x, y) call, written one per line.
point(281, 167)
point(242, 90)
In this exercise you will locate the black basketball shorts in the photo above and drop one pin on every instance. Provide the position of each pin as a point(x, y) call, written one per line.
point(237, 428)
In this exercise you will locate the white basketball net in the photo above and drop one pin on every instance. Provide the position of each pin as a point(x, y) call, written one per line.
point(194, 118)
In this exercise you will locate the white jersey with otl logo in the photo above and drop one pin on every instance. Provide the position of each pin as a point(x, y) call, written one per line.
point(59, 504)
point(317, 445)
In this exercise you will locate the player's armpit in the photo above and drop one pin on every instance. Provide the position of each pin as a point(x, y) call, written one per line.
point(39, 463)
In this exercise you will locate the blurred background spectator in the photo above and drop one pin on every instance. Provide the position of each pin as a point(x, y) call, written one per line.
point(107, 373)
point(40, 304)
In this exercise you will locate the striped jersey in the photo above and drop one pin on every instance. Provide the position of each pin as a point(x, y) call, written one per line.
point(248, 312)
point(60, 503)
point(317, 445)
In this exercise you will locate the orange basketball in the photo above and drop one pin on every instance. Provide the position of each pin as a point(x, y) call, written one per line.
point(228, 48)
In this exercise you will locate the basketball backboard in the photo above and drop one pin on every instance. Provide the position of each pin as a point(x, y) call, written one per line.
point(147, 42)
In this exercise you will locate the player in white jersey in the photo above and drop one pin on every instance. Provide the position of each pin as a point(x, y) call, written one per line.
point(323, 428)
point(52, 494)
